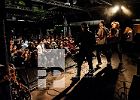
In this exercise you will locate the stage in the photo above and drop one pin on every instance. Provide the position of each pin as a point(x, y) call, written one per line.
point(105, 83)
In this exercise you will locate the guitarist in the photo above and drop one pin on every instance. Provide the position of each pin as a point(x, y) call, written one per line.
point(101, 42)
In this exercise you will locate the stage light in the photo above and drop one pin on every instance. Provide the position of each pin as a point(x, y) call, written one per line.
point(115, 9)
point(74, 2)
point(21, 20)
point(122, 7)
point(67, 3)
point(125, 10)
point(112, 10)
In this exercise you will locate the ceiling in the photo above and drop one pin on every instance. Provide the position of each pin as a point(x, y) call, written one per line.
point(73, 10)
point(97, 7)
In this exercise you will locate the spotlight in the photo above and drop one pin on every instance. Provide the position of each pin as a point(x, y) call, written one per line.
point(21, 20)
point(125, 10)
point(74, 2)
point(122, 7)
point(115, 9)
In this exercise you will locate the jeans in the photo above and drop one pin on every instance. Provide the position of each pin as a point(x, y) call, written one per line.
point(105, 50)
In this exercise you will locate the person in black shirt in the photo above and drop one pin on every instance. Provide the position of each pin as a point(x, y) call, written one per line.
point(86, 41)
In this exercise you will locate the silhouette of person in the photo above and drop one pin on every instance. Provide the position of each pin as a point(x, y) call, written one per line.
point(86, 41)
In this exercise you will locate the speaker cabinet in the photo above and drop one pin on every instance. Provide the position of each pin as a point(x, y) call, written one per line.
point(134, 92)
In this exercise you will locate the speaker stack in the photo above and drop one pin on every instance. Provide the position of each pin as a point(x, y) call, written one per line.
point(134, 92)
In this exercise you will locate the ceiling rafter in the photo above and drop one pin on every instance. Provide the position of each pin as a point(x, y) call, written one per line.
point(59, 4)
point(105, 2)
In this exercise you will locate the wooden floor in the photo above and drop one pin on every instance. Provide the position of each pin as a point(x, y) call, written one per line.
point(104, 83)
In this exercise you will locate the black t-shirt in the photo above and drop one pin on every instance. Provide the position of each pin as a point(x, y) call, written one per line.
point(87, 40)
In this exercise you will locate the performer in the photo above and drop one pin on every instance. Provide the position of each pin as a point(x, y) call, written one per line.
point(101, 42)
point(87, 43)
point(114, 39)
point(127, 40)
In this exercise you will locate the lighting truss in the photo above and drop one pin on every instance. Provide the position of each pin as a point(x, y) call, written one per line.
point(59, 4)
point(7, 6)
point(106, 2)
point(15, 7)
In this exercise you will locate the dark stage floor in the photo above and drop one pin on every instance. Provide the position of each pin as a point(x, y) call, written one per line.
point(104, 84)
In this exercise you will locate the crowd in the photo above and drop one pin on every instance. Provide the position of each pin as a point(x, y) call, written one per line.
point(25, 53)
